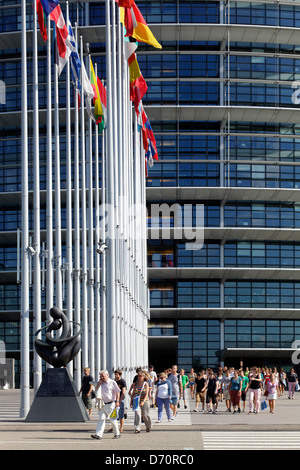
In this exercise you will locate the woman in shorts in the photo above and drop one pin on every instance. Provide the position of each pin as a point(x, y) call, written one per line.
point(272, 391)
point(192, 378)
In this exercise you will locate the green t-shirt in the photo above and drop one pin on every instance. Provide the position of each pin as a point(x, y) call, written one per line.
point(245, 382)
point(184, 380)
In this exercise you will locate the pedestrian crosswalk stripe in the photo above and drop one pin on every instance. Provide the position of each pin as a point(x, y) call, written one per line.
point(250, 440)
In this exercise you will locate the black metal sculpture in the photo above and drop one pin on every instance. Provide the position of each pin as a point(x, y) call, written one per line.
point(58, 351)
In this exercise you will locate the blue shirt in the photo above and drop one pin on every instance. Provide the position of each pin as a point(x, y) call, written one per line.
point(235, 383)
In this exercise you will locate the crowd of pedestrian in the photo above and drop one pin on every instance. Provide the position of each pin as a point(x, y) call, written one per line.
point(168, 391)
point(237, 387)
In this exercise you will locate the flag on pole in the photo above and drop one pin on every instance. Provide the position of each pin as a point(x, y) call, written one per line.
point(42, 20)
point(151, 152)
point(134, 68)
point(138, 85)
point(130, 47)
point(52, 8)
point(125, 3)
point(99, 115)
point(88, 92)
point(58, 60)
point(102, 91)
point(143, 33)
point(136, 25)
point(74, 58)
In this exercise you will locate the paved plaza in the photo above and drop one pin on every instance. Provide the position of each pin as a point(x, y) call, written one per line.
point(189, 431)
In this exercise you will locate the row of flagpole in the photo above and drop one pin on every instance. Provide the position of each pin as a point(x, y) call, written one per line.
point(112, 307)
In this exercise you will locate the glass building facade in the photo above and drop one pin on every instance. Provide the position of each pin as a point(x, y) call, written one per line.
point(223, 100)
point(233, 147)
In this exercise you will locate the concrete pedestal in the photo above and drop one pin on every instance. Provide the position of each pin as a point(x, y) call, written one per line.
point(57, 400)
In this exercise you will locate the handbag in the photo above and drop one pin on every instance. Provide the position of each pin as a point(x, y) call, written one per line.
point(136, 400)
point(264, 405)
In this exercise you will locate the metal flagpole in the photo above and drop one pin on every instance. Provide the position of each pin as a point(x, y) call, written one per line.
point(58, 280)
point(25, 364)
point(69, 266)
point(125, 86)
point(136, 178)
point(97, 256)
point(76, 274)
point(83, 224)
point(111, 311)
point(36, 205)
point(117, 176)
point(122, 339)
point(91, 299)
point(129, 186)
point(103, 257)
point(49, 203)
point(145, 295)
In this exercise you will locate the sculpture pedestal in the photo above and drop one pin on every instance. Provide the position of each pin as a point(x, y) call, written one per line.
point(57, 400)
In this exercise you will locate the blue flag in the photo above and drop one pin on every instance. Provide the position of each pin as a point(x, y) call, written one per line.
point(74, 57)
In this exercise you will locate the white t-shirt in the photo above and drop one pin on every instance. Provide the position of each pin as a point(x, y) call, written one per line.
point(162, 390)
point(153, 376)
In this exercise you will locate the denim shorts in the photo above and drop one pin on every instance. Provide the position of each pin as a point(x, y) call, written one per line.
point(174, 400)
point(122, 409)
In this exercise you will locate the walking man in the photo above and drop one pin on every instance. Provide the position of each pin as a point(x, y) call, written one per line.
point(109, 393)
point(176, 382)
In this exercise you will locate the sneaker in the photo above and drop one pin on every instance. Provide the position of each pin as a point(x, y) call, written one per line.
point(185, 407)
point(196, 411)
point(94, 436)
point(117, 436)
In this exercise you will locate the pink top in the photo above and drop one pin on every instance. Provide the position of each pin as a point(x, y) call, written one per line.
point(109, 390)
point(272, 387)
